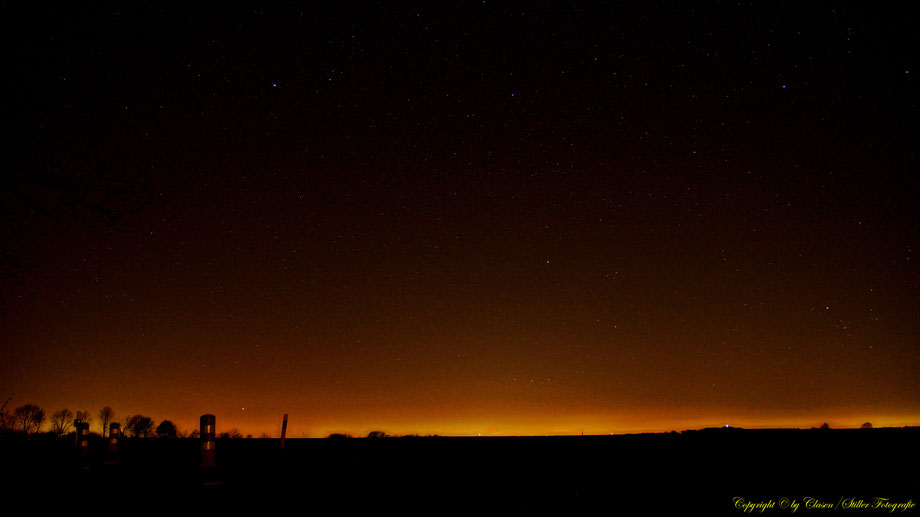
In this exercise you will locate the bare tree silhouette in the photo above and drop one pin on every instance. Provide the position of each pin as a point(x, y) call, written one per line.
point(126, 424)
point(106, 415)
point(139, 425)
point(232, 433)
point(84, 416)
point(30, 418)
point(7, 420)
point(61, 421)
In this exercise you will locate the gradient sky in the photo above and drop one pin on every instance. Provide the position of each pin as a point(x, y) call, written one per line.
point(488, 219)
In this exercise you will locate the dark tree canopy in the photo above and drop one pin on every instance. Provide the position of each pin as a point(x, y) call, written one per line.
point(166, 429)
point(139, 425)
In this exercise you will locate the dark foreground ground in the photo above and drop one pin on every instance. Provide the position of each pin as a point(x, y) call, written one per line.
point(614, 475)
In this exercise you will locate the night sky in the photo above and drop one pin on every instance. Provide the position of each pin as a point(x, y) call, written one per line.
point(498, 219)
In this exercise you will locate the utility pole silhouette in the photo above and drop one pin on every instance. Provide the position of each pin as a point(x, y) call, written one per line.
point(283, 429)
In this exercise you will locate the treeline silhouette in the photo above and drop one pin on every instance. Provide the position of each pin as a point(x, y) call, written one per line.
point(28, 420)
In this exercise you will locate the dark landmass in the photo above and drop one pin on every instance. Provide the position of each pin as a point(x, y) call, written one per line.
point(703, 470)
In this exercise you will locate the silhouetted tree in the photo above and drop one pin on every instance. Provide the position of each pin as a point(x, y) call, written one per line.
point(339, 436)
point(232, 433)
point(376, 434)
point(194, 434)
point(127, 427)
point(867, 425)
point(84, 416)
point(106, 415)
point(825, 426)
point(7, 421)
point(139, 425)
point(126, 424)
point(61, 421)
point(143, 427)
point(30, 418)
point(166, 429)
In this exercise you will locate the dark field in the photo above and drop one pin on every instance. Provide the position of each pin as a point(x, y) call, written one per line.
point(676, 472)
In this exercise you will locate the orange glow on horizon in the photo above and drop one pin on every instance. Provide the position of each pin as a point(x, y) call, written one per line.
point(590, 425)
